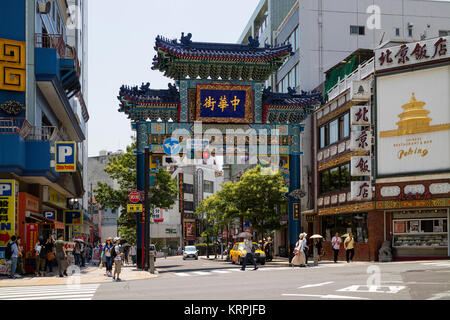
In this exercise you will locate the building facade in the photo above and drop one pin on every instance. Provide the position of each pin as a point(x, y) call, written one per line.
point(412, 149)
point(105, 219)
point(42, 101)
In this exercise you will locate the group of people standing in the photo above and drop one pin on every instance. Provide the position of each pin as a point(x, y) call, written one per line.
point(46, 252)
point(115, 253)
point(349, 246)
point(301, 249)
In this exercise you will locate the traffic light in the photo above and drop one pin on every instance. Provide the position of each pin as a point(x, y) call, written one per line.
point(205, 155)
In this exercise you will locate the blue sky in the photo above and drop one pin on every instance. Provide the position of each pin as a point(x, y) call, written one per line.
point(121, 40)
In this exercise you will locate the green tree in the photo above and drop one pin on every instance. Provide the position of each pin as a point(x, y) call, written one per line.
point(122, 168)
point(264, 194)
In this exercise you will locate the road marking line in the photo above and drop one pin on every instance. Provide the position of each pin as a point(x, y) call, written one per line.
point(328, 296)
point(373, 289)
point(181, 274)
point(315, 285)
point(221, 271)
point(201, 273)
point(441, 295)
point(75, 296)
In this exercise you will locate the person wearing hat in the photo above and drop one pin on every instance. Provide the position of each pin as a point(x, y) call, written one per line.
point(299, 253)
point(108, 257)
point(117, 256)
point(305, 246)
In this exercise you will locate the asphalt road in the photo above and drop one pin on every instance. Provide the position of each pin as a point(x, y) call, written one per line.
point(211, 280)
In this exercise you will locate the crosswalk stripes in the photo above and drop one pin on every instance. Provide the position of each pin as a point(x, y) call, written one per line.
point(56, 292)
point(225, 271)
point(437, 264)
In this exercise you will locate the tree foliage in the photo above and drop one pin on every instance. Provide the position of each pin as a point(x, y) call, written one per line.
point(257, 197)
point(122, 169)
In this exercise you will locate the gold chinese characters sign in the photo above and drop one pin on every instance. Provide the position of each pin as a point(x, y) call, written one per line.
point(12, 65)
point(219, 103)
point(426, 203)
point(359, 207)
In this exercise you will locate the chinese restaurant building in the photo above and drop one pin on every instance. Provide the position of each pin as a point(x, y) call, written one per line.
point(412, 147)
point(341, 151)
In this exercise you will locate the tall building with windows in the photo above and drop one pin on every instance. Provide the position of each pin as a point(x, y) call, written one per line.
point(330, 41)
point(43, 69)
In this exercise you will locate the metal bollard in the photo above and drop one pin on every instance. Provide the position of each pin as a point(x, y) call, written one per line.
point(316, 256)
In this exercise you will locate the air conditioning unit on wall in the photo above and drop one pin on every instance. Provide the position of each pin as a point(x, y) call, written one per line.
point(44, 7)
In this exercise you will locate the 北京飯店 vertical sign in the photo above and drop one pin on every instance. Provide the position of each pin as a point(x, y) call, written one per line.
point(224, 103)
point(65, 156)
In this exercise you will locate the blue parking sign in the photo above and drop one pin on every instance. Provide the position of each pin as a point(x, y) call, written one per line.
point(65, 156)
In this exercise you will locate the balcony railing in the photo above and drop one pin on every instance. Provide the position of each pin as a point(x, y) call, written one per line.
point(360, 73)
point(28, 132)
point(56, 41)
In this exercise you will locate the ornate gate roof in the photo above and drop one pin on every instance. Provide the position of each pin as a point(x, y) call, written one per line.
point(179, 60)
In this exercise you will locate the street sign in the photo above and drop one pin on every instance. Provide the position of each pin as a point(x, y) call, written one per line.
point(171, 146)
point(73, 217)
point(134, 207)
point(65, 158)
point(50, 214)
point(134, 196)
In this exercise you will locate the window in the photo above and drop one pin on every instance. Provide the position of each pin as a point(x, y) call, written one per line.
point(297, 75)
point(358, 30)
point(397, 32)
point(344, 126)
point(322, 137)
point(293, 39)
point(334, 131)
point(188, 188)
point(335, 179)
point(285, 84)
point(346, 223)
point(444, 33)
point(410, 32)
point(208, 186)
point(188, 206)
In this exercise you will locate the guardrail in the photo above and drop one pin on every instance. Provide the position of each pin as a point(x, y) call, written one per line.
point(28, 132)
point(56, 41)
point(361, 72)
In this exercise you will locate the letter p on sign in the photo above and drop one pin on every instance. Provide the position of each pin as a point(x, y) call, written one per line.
point(5, 189)
point(65, 156)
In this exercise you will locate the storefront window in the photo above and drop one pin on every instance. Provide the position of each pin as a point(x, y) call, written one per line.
point(344, 224)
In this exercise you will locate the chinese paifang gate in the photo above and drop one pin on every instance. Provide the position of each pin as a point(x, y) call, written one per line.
point(222, 86)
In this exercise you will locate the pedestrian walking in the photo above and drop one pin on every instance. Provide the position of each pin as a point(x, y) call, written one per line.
point(299, 253)
point(318, 244)
point(50, 249)
point(61, 256)
point(133, 253)
point(336, 245)
point(349, 247)
point(20, 269)
point(77, 253)
point(82, 253)
point(14, 252)
point(250, 250)
point(108, 258)
point(117, 256)
point(305, 246)
point(40, 256)
point(126, 250)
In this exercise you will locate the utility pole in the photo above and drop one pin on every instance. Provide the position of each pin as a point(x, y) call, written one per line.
point(146, 264)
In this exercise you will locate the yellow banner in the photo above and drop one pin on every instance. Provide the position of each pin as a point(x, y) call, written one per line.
point(8, 190)
point(134, 208)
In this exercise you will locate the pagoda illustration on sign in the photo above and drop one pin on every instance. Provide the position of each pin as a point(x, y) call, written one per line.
point(414, 119)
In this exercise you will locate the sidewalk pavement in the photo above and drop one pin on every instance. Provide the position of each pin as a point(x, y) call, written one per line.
point(90, 274)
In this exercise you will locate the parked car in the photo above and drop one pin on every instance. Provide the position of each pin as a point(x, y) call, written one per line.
point(190, 252)
point(238, 252)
